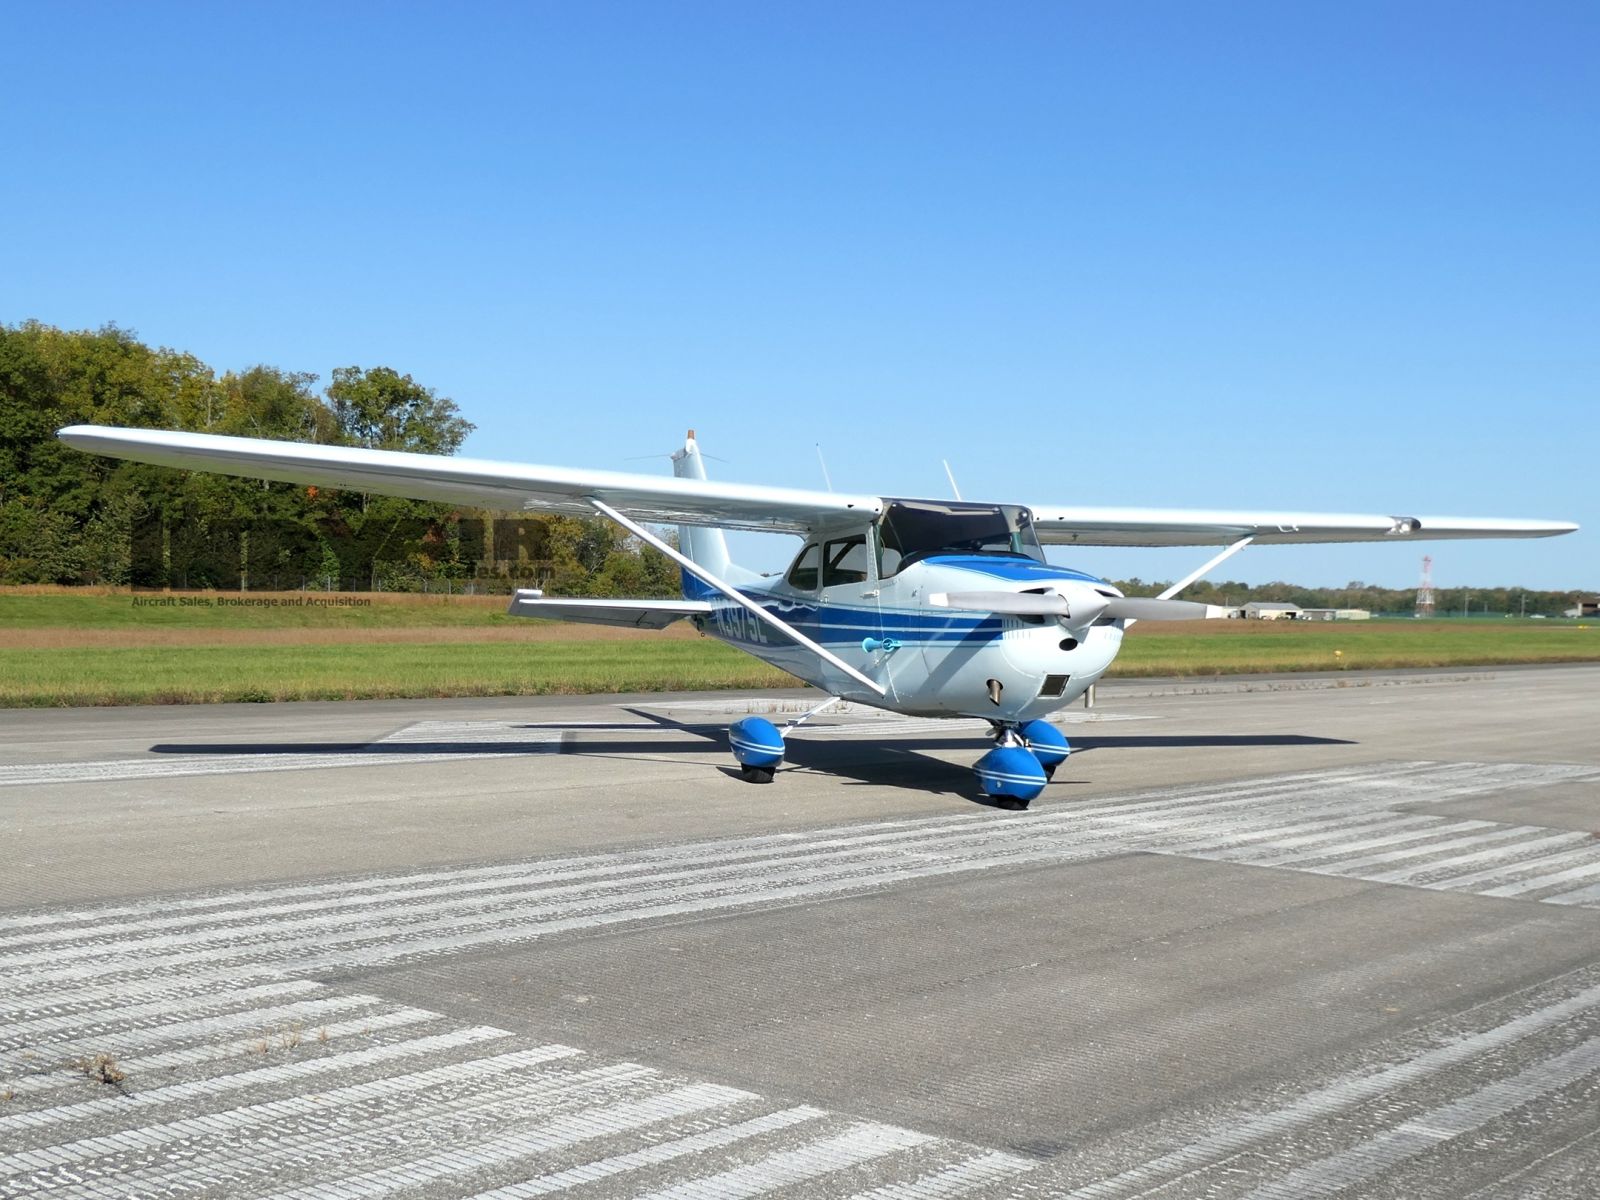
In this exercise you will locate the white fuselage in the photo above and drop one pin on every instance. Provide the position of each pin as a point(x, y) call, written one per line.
point(932, 661)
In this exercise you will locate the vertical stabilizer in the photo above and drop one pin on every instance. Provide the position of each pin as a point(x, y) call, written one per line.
point(705, 546)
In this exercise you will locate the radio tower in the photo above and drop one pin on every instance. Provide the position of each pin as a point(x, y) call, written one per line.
point(1425, 591)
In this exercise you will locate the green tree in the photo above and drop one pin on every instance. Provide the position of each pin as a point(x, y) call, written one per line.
point(384, 410)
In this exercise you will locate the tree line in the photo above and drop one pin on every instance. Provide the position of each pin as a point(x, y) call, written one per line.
point(1448, 602)
point(72, 518)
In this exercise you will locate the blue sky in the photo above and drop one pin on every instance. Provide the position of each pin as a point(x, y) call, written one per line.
point(1254, 255)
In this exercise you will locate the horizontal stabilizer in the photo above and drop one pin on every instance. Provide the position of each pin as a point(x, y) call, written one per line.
point(633, 614)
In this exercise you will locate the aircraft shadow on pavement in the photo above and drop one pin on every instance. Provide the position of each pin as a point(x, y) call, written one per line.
point(899, 762)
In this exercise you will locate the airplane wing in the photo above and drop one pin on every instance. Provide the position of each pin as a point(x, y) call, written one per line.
point(479, 482)
point(1192, 527)
point(670, 500)
point(633, 614)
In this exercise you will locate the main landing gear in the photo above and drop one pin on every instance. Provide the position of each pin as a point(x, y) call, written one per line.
point(1024, 758)
point(758, 744)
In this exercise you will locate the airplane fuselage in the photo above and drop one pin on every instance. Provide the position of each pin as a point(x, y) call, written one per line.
point(932, 661)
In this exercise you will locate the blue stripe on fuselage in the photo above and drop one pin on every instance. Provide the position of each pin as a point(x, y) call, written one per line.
point(842, 625)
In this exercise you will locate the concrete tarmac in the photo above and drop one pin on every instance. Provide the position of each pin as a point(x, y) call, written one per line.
point(1280, 937)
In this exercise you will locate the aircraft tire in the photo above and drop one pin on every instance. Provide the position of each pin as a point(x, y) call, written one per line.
point(756, 774)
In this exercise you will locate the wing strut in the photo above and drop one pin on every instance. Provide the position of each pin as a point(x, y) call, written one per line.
point(728, 590)
point(1195, 574)
point(1207, 569)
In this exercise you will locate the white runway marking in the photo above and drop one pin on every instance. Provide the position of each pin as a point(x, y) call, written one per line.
point(229, 1090)
point(662, 1152)
point(1282, 823)
point(1346, 1093)
point(1422, 1133)
point(855, 1145)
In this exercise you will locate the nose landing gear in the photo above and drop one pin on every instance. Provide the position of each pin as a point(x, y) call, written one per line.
point(1023, 760)
point(1009, 773)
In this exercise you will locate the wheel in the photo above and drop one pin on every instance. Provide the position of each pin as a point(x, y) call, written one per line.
point(1010, 803)
point(756, 774)
point(1049, 769)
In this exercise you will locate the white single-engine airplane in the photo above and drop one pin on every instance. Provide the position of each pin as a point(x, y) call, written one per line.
point(932, 608)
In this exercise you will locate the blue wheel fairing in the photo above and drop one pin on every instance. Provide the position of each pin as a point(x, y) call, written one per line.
point(755, 742)
point(1010, 771)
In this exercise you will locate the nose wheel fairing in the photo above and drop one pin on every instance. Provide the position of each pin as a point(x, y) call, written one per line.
point(1011, 775)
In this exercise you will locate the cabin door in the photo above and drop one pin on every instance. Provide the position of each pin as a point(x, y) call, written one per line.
point(849, 609)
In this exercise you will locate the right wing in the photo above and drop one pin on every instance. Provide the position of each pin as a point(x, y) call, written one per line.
point(1057, 526)
point(634, 614)
point(484, 484)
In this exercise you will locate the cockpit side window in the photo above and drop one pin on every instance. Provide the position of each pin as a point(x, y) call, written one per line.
point(803, 575)
point(845, 561)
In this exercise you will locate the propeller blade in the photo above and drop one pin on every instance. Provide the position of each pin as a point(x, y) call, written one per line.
point(1076, 609)
point(1140, 608)
point(1011, 604)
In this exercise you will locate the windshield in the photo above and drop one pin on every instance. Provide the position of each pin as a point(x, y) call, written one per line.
point(915, 529)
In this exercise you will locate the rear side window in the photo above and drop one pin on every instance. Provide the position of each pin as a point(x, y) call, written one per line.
point(803, 575)
point(845, 561)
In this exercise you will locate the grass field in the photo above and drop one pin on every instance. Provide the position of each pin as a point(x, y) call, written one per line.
point(82, 646)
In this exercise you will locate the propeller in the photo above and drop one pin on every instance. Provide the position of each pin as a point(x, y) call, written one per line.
point(1148, 608)
point(1081, 606)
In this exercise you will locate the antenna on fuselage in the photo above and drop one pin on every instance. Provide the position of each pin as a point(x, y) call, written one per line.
point(951, 476)
point(824, 464)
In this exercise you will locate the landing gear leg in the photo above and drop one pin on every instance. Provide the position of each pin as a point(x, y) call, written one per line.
point(790, 726)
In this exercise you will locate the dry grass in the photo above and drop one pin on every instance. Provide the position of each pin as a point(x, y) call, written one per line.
point(100, 1066)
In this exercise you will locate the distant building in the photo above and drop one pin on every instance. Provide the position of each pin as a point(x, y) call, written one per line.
point(1272, 610)
point(1335, 614)
point(1585, 608)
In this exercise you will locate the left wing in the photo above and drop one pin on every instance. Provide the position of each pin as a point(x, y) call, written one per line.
point(1191, 527)
point(478, 482)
